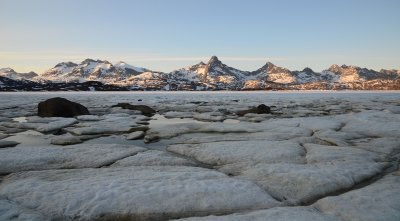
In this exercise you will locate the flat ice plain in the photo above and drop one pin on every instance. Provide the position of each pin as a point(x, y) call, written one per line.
point(318, 156)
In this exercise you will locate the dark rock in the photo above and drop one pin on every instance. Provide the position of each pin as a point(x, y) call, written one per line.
point(60, 107)
point(260, 109)
point(146, 110)
point(139, 100)
point(6, 143)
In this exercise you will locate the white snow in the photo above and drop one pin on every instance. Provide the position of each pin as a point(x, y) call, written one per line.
point(110, 124)
point(73, 156)
point(298, 183)
point(44, 127)
point(153, 158)
point(65, 140)
point(124, 65)
point(378, 201)
point(135, 193)
point(320, 153)
point(250, 152)
point(10, 211)
point(89, 117)
point(312, 145)
point(273, 214)
point(135, 135)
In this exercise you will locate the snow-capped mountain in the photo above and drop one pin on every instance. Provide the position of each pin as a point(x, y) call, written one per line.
point(348, 74)
point(213, 75)
point(11, 74)
point(91, 70)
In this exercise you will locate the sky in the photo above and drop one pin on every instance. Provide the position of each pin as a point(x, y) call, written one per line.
point(165, 35)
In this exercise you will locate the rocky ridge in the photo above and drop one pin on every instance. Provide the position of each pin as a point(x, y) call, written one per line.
point(213, 75)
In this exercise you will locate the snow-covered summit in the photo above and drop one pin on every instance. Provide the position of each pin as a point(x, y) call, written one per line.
point(91, 70)
point(126, 66)
point(212, 75)
point(10, 73)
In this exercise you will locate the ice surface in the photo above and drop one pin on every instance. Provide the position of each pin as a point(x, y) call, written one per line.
point(299, 183)
point(210, 116)
point(44, 126)
point(173, 130)
point(51, 157)
point(135, 193)
point(273, 214)
point(374, 124)
point(111, 124)
point(387, 145)
point(7, 143)
point(153, 158)
point(251, 152)
point(178, 114)
point(89, 117)
point(10, 211)
point(2, 136)
point(337, 138)
point(135, 135)
point(312, 145)
point(321, 153)
point(65, 140)
point(378, 201)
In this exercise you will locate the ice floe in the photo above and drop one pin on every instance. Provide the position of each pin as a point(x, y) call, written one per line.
point(52, 157)
point(154, 158)
point(273, 214)
point(65, 140)
point(135, 135)
point(377, 201)
point(135, 193)
point(44, 126)
point(113, 123)
point(10, 211)
point(303, 183)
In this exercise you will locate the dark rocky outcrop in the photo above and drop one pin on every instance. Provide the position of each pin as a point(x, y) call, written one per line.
point(146, 110)
point(260, 109)
point(60, 107)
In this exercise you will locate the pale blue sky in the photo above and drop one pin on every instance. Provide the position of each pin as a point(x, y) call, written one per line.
point(169, 34)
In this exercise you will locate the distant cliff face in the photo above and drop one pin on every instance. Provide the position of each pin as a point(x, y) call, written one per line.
point(213, 75)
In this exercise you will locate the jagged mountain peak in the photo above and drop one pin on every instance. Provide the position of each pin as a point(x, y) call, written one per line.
point(4, 70)
point(269, 64)
point(308, 70)
point(92, 70)
point(89, 60)
point(214, 61)
point(131, 69)
point(12, 74)
point(334, 67)
point(121, 63)
point(213, 58)
point(210, 75)
point(66, 64)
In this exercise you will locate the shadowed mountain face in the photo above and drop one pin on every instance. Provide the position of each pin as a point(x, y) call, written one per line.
point(213, 75)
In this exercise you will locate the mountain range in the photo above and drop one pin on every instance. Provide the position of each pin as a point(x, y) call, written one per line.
point(214, 75)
